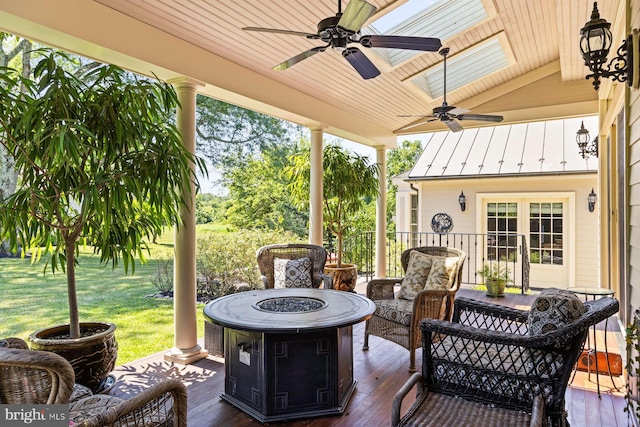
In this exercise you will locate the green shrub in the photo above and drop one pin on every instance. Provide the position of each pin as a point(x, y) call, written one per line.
point(163, 278)
point(226, 263)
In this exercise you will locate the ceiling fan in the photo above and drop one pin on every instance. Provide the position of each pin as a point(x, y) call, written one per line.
point(448, 113)
point(344, 28)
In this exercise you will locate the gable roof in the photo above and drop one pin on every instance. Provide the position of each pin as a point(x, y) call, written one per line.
point(537, 148)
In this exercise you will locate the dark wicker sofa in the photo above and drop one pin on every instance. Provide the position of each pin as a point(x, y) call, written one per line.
point(484, 365)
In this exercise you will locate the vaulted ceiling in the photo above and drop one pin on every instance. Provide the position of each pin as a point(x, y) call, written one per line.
point(516, 58)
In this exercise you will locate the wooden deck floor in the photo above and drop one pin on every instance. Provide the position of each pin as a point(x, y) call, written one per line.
point(380, 372)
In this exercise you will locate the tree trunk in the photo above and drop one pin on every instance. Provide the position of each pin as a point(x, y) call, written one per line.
point(74, 322)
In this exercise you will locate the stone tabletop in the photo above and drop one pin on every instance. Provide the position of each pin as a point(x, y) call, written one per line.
point(250, 310)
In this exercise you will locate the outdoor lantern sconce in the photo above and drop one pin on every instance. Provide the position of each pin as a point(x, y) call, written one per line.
point(462, 199)
point(595, 42)
point(586, 148)
point(591, 199)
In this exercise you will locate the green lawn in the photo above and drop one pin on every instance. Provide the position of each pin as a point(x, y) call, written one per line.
point(32, 300)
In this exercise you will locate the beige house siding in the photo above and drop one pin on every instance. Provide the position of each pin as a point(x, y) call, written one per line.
point(437, 196)
point(630, 290)
point(634, 183)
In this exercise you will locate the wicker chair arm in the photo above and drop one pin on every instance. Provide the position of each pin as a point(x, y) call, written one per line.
point(265, 282)
point(483, 315)
point(147, 407)
point(13, 342)
point(379, 289)
point(326, 282)
point(441, 329)
point(414, 379)
point(431, 304)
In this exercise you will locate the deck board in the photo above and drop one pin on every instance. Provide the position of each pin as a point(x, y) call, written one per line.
point(379, 373)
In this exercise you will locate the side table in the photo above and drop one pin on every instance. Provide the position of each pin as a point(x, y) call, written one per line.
point(596, 293)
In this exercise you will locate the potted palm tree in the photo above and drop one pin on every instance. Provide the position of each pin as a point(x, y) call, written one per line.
point(348, 179)
point(495, 278)
point(101, 162)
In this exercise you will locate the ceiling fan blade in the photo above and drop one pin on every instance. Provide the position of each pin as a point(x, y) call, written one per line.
point(277, 31)
point(421, 122)
point(360, 62)
point(453, 125)
point(299, 57)
point(480, 117)
point(355, 15)
point(427, 44)
point(456, 111)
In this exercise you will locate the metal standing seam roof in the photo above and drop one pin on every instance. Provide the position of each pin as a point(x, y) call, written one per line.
point(536, 148)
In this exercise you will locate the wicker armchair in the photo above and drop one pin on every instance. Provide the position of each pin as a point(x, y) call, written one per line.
point(266, 256)
point(42, 377)
point(487, 366)
point(428, 303)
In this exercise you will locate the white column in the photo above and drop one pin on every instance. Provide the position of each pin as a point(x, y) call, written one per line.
point(186, 348)
point(315, 184)
point(381, 214)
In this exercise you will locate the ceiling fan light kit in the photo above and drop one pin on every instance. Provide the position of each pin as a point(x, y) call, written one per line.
point(343, 29)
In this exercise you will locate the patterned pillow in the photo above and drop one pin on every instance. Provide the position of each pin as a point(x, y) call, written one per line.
point(552, 309)
point(415, 278)
point(292, 273)
point(442, 274)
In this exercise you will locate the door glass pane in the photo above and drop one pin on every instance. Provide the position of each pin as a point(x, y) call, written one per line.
point(545, 233)
point(502, 227)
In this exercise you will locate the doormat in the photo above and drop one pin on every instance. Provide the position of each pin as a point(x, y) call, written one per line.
point(587, 362)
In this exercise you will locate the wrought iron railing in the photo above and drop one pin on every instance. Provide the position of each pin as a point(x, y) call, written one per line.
point(502, 250)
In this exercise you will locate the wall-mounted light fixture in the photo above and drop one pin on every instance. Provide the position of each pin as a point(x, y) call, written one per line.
point(462, 199)
point(592, 198)
point(585, 147)
point(595, 42)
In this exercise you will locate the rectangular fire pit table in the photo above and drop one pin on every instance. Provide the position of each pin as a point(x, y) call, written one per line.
point(289, 352)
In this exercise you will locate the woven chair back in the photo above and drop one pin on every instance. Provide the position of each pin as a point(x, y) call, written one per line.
point(34, 377)
point(267, 254)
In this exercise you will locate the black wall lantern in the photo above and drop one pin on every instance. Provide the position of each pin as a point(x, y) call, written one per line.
point(584, 146)
point(595, 42)
point(592, 198)
point(462, 199)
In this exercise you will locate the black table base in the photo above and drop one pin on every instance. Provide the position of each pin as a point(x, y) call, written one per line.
point(284, 376)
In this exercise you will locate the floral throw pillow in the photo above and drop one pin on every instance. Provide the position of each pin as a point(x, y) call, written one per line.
point(292, 273)
point(442, 274)
point(415, 278)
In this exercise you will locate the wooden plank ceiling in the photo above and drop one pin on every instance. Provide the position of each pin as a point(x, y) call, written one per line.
point(544, 77)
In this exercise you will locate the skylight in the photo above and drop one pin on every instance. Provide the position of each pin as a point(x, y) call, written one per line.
point(426, 18)
point(463, 68)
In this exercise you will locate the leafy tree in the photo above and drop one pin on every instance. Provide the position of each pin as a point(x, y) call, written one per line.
point(229, 135)
point(209, 208)
point(402, 159)
point(258, 193)
point(100, 160)
point(348, 180)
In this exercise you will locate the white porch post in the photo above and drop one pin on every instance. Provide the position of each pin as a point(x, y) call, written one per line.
point(315, 184)
point(186, 348)
point(381, 214)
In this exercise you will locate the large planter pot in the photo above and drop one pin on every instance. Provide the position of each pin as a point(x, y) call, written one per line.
point(344, 278)
point(92, 356)
point(495, 288)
